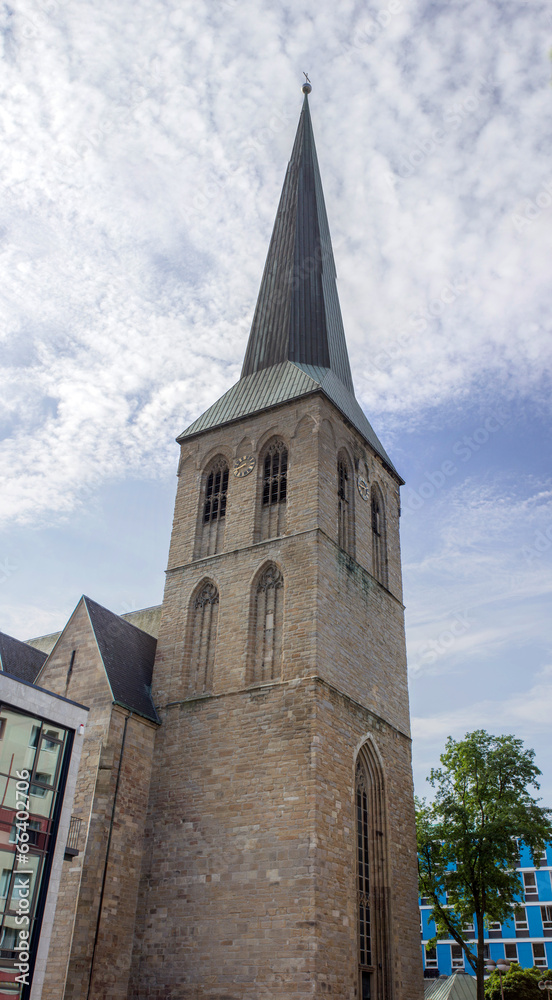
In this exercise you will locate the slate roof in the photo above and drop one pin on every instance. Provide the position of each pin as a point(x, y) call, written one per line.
point(19, 659)
point(127, 654)
point(297, 342)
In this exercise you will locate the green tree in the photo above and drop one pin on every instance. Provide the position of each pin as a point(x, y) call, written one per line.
point(518, 984)
point(467, 837)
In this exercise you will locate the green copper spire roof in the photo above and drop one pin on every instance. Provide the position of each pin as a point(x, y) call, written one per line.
point(298, 316)
point(297, 343)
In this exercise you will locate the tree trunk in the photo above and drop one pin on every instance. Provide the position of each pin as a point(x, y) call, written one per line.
point(480, 919)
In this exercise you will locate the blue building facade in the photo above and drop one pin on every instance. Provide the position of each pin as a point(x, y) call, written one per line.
point(526, 937)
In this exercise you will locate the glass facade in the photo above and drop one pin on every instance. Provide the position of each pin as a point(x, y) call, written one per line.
point(33, 759)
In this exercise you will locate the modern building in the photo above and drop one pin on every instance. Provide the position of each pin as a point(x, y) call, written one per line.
point(41, 739)
point(525, 938)
point(245, 788)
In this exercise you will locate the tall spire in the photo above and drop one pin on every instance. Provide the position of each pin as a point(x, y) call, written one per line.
point(297, 343)
point(298, 317)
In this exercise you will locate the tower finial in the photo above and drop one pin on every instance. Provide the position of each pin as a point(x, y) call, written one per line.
point(307, 86)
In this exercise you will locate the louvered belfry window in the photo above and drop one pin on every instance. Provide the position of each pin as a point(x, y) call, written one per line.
point(213, 511)
point(203, 640)
point(216, 489)
point(268, 622)
point(274, 490)
point(379, 547)
point(344, 504)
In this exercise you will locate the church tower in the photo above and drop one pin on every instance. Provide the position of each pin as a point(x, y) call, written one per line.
point(280, 848)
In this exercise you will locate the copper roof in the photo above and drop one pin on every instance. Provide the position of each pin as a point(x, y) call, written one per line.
point(297, 343)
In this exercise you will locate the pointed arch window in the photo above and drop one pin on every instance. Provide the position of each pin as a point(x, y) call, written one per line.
point(213, 509)
point(268, 625)
point(371, 881)
point(274, 490)
point(379, 544)
point(204, 613)
point(345, 531)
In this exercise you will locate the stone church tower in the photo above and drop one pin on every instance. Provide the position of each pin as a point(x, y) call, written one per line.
point(280, 850)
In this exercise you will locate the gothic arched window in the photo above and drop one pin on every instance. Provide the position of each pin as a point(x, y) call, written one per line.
point(379, 543)
point(371, 881)
point(268, 616)
point(213, 508)
point(204, 619)
point(274, 465)
point(345, 518)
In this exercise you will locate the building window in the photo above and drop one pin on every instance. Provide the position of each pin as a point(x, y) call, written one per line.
point(546, 914)
point(520, 918)
point(379, 543)
point(539, 955)
point(274, 470)
point(44, 779)
point(510, 952)
point(495, 925)
point(213, 509)
point(268, 617)
point(530, 884)
point(371, 881)
point(5, 882)
point(431, 958)
point(203, 639)
point(541, 859)
point(456, 956)
point(345, 514)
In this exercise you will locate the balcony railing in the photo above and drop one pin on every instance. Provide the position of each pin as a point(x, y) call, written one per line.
point(72, 845)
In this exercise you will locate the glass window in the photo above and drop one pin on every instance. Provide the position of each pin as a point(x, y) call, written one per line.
point(456, 956)
point(5, 882)
point(546, 914)
point(431, 958)
point(539, 955)
point(530, 884)
point(520, 918)
point(510, 952)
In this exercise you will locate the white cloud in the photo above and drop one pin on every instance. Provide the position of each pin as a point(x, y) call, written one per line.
point(144, 151)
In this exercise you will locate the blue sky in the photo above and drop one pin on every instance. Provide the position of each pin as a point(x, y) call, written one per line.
point(143, 152)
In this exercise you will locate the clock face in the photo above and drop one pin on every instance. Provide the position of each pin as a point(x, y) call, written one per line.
point(244, 465)
point(363, 487)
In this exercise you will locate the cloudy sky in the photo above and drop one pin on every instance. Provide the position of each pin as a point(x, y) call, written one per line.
point(143, 150)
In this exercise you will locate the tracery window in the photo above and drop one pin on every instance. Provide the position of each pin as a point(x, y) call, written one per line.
point(379, 543)
point(345, 535)
point(267, 624)
point(204, 622)
point(363, 873)
point(213, 510)
point(274, 490)
point(371, 882)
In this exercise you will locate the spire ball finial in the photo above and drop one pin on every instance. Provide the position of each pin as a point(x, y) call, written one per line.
point(307, 86)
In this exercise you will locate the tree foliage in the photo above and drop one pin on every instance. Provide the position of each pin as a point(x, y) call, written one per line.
point(518, 984)
point(468, 836)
